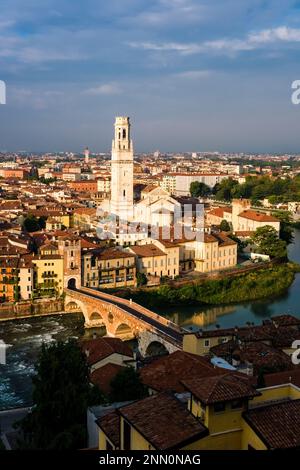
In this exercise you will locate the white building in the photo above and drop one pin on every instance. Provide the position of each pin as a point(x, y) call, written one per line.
point(179, 183)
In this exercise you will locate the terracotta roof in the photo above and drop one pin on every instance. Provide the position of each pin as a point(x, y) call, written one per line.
point(164, 421)
point(220, 388)
point(147, 250)
point(277, 425)
point(256, 353)
point(167, 372)
point(219, 211)
point(285, 377)
point(103, 376)
point(149, 188)
point(285, 320)
point(257, 216)
point(110, 425)
point(110, 253)
point(101, 348)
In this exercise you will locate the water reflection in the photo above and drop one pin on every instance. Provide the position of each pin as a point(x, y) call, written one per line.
point(193, 318)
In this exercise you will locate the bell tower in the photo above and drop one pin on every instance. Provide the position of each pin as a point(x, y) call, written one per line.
point(121, 203)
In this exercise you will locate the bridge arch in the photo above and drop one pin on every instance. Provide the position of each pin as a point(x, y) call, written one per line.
point(156, 348)
point(96, 316)
point(72, 306)
point(123, 331)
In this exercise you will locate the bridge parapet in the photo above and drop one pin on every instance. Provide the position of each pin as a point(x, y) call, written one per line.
point(124, 319)
point(155, 316)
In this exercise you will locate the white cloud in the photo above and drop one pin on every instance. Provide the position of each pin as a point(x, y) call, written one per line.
point(253, 41)
point(282, 33)
point(194, 74)
point(104, 89)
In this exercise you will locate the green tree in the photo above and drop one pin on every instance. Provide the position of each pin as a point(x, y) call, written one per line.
point(224, 191)
point(31, 224)
point(42, 222)
point(286, 228)
point(198, 189)
point(224, 226)
point(268, 242)
point(127, 385)
point(141, 279)
point(61, 395)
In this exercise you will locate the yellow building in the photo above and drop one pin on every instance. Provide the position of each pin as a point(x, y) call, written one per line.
point(157, 261)
point(224, 412)
point(201, 342)
point(216, 252)
point(108, 268)
point(48, 275)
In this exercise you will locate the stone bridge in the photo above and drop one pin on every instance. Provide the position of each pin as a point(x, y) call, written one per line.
point(125, 319)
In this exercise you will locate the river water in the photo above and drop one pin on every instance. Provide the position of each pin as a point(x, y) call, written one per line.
point(24, 337)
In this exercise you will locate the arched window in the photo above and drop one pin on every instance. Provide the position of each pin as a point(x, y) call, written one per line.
point(124, 193)
point(124, 133)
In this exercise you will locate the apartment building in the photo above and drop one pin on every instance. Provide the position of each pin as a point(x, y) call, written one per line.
point(108, 268)
point(216, 252)
point(48, 275)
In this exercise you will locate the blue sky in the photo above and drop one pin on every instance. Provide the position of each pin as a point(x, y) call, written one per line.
point(194, 75)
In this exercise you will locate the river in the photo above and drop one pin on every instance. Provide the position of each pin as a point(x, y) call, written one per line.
point(24, 337)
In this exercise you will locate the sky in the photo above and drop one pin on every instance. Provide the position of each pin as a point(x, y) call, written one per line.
point(193, 75)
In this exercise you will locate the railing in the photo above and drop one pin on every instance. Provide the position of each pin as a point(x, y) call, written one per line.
point(49, 275)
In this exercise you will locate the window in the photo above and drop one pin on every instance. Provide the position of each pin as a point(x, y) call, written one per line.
point(219, 407)
point(72, 253)
point(206, 343)
point(235, 404)
point(127, 435)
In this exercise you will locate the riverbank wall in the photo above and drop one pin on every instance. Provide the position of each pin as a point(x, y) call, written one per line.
point(28, 309)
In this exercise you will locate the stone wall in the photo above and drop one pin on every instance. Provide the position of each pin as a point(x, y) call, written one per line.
point(10, 311)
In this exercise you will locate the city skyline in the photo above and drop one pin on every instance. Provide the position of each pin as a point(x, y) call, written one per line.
point(175, 67)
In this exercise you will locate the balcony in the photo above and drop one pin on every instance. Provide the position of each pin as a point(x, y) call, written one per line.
point(49, 275)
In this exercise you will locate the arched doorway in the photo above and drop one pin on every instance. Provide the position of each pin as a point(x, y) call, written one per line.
point(72, 283)
point(155, 348)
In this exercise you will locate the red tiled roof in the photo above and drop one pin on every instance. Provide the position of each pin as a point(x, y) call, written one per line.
point(103, 376)
point(110, 425)
point(257, 216)
point(147, 250)
point(219, 211)
point(100, 348)
point(164, 421)
point(220, 388)
point(285, 377)
point(277, 425)
point(167, 372)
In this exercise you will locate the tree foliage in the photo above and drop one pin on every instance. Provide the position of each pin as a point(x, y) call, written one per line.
point(32, 224)
point(276, 190)
point(224, 226)
point(61, 395)
point(286, 226)
point(127, 385)
point(268, 243)
point(198, 189)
